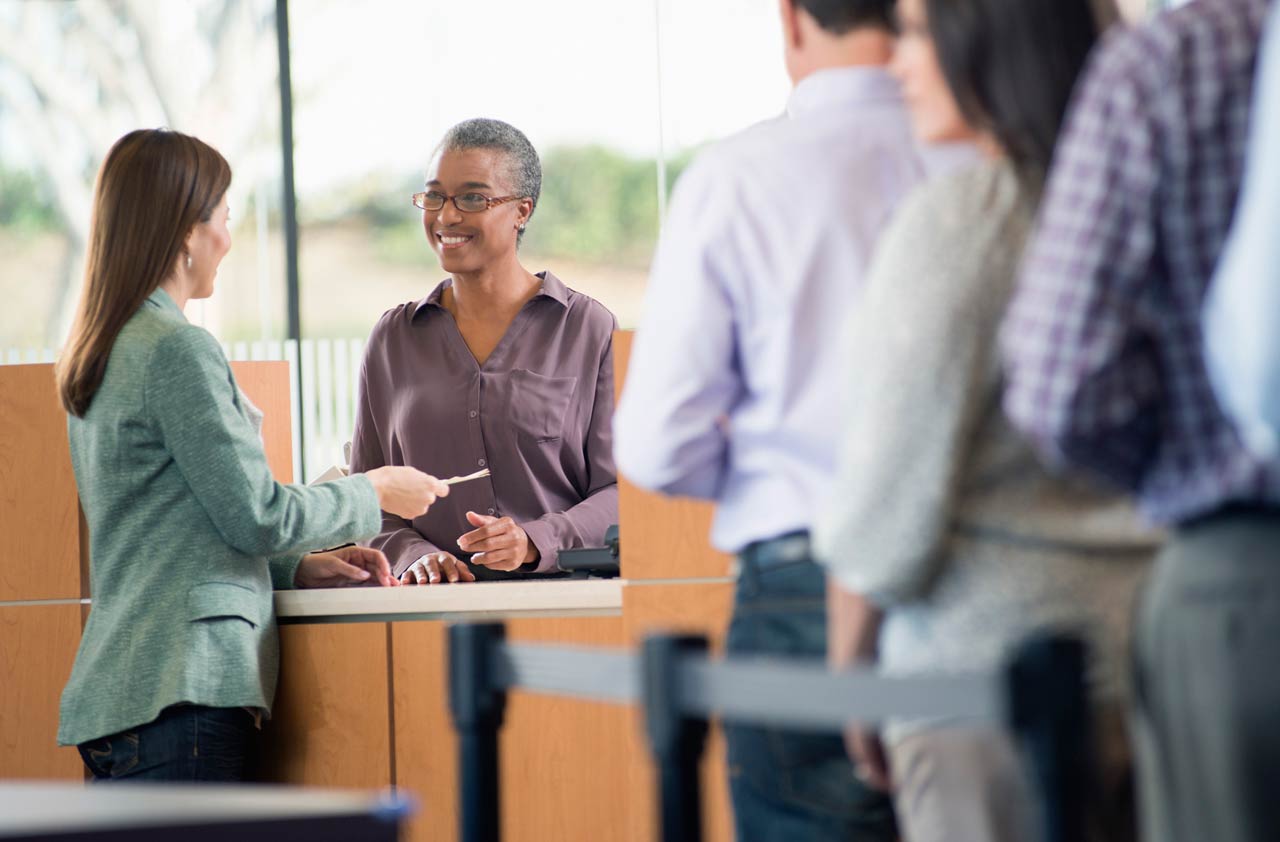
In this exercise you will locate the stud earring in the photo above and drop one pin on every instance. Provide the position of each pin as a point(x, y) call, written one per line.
point(188, 261)
point(520, 227)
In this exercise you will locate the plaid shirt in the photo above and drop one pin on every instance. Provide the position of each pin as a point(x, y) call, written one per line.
point(1103, 341)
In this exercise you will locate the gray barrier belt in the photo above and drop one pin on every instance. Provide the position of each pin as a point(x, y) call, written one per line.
point(1039, 696)
point(759, 690)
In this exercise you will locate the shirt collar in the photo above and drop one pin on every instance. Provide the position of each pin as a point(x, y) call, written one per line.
point(552, 287)
point(835, 86)
point(161, 299)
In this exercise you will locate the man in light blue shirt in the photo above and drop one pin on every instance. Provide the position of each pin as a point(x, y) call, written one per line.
point(729, 391)
point(1242, 317)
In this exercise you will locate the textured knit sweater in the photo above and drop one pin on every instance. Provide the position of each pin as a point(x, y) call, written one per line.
point(942, 515)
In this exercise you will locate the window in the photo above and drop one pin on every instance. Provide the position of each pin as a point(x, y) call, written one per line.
point(74, 77)
point(616, 97)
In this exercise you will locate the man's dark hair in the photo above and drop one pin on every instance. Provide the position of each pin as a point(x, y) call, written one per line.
point(840, 17)
point(1011, 66)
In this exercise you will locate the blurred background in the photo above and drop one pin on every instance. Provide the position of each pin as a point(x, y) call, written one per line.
point(616, 96)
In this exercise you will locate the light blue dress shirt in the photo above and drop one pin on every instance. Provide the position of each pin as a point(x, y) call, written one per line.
point(731, 388)
point(1242, 316)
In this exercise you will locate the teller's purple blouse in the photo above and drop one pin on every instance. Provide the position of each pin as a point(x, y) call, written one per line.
point(537, 414)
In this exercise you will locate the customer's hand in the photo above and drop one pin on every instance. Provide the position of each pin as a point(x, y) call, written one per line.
point(853, 634)
point(870, 763)
point(344, 566)
point(434, 568)
point(405, 491)
point(499, 544)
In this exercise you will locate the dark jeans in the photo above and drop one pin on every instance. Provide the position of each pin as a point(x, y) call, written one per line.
point(184, 743)
point(793, 785)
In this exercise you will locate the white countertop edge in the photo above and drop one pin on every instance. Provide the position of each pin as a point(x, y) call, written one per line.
point(518, 597)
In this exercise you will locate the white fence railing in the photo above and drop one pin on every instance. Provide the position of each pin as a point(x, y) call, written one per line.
point(326, 406)
point(19, 356)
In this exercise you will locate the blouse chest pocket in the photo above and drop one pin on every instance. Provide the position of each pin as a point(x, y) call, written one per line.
point(539, 405)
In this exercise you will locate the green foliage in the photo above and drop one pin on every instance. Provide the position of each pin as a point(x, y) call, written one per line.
point(381, 200)
point(404, 243)
point(25, 202)
point(598, 205)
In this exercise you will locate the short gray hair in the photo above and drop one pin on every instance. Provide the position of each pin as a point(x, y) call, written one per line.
point(524, 170)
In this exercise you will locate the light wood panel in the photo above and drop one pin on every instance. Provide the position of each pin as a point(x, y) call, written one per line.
point(37, 647)
point(39, 512)
point(702, 609)
point(666, 537)
point(331, 724)
point(662, 537)
point(678, 608)
point(267, 385)
point(563, 761)
point(425, 744)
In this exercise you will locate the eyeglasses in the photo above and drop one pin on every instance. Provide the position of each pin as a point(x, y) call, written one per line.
point(433, 200)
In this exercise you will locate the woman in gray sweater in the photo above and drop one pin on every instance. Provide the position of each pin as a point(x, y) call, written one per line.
point(947, 541)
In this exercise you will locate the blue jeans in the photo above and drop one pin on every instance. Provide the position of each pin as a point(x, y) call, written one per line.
point(184, 743)
point(793, 785)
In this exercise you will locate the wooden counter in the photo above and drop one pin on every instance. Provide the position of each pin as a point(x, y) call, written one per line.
point(362, 695)
point(363, 702)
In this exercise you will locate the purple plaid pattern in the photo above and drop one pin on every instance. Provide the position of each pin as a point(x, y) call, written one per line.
point(1103, 341)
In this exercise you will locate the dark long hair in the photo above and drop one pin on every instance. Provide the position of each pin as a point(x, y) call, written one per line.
point(153, 187)
point(842, 16)
point(1011, 66)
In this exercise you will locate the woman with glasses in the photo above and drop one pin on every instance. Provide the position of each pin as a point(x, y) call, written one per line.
point(496, 370)
point(947, 541)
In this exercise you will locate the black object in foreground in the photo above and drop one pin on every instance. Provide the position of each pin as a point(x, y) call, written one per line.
point(1040, 697)
point(594, 561)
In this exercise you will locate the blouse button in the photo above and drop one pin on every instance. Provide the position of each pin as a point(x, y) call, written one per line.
point(480, 463)
point(473, 413)
point(493, 511)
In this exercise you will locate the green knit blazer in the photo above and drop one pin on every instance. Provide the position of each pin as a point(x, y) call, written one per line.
point(188, 533)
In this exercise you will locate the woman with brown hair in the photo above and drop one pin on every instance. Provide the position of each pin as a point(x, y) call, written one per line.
point(947, 540)
point(189, 533)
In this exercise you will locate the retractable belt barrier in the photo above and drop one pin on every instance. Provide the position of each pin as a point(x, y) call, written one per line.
point(1039, 696)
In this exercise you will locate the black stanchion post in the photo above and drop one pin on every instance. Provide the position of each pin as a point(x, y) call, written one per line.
point(1049, 711)
point(477, 707)
point(677, 739)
